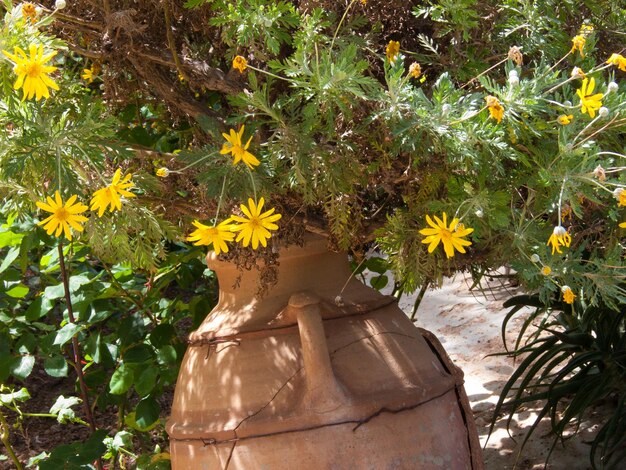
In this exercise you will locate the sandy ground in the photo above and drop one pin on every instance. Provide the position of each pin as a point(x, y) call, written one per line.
point(468, 324)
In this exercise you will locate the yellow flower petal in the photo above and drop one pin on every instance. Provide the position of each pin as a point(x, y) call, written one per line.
point(65, 216)
point(450, 238)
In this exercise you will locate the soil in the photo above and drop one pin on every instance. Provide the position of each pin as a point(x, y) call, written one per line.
point(467, 323)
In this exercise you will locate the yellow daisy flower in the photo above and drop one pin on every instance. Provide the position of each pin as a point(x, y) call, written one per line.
point(64, 216)
point(589, 103)
point(392, 50)
point(568, 295)
point(163, 172)
point(234, 146)
point(622, 199)
point(240, 63)
point(29, 11)
point(449, 236)
point(496, 110)
point(256, 225)
point(32, 73)
point(559, 238)
point(110, 195)
point(88, 75)
point(622, 225)
point(546, 270)
point(618, 60)
point(213, 235)
point(578, 42)
point(565, 119)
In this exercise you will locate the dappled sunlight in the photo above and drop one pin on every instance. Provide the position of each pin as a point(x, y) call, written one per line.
point(468, 322)
point(352, 372)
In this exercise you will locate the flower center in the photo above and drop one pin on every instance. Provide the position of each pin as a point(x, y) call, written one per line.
point(255, 222)
point(446, 235)
point(33, 70)
point(61, 214)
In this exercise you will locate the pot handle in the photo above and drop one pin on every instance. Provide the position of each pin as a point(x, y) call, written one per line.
point(323, 391)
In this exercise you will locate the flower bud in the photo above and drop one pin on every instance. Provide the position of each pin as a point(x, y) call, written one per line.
point(479, 213)
point(599, 173)
point(603, 111)
point(60, 4)
point(535, 258)
point(513, 80)
point(617, 192)
point(612, 88)
point(445, 109)
point(513, 73)
point(515, 54)
point(567, 103)
point(163, 172)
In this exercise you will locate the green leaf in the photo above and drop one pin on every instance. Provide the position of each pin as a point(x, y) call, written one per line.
point(22, 366)
point(147, 412)
point(139, 353)
point(122, 439)
point(131, 330)
point(9, 258)
point(92, 347)
point(58, 291)
point(121, 380)
point(26, 344)
point(163, 334)
point(379, 282)
point(66, 333)
point(5, 344)
point(131, 422)
point(17, 292)
point(146, 381)
point(8, 238)
point(5, 366)
point(377, 265)
point(33, 461)
point(56, 366)
point(167, 355)
point(54, 292)
point(38, 308)
point(63, 409)
point(21, 395)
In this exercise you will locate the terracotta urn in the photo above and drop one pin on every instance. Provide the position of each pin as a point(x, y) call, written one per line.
point(321, 372)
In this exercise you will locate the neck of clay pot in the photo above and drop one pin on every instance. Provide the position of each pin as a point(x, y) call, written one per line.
point(311, 268)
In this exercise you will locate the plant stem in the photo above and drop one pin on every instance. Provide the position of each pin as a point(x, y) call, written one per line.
point(75, 347)
point(170, 39)
point(345, 13)
point(219, 201)
point(419, 298)
point(484, 72)
point(253, 184)
point(4, 436)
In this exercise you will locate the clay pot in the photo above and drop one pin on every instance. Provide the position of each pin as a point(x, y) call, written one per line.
point(313, 377)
